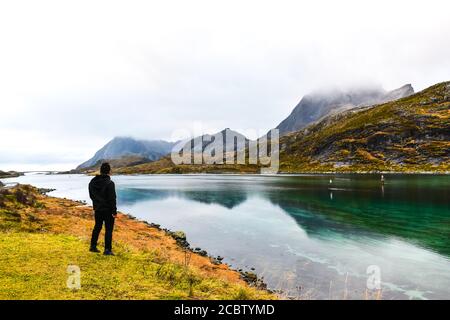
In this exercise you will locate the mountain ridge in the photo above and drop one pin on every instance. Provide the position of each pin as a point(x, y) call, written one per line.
point(411, 134)
point(200, 143)
point(408, 134)
point(319, 104)
point(121, 146)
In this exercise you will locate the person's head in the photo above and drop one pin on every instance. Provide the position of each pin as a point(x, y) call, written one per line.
point(105, 168)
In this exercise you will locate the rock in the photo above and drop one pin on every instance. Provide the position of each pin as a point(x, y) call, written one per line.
point(250, 277)
point(24, 196)
point(180, 238)
point(217, 260)
point(253, 280)
point(45, 190)
point(203, 253)
point(179, 235)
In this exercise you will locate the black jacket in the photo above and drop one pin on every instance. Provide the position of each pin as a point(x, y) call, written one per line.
point(103, 194)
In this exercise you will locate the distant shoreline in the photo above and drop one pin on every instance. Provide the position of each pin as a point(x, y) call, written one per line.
point(280, 174)
point(10, 174)
point(444, 173)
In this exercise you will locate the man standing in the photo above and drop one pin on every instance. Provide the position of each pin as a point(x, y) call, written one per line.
point(103, 194)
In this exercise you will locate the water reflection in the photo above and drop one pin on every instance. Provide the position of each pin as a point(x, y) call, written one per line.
point(225, 198)
point(347, 207)
point(305, 235)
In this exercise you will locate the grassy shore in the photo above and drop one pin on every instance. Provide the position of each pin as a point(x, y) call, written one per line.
point(41, 236)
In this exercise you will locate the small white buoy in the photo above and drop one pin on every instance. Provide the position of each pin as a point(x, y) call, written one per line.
point(331, 181)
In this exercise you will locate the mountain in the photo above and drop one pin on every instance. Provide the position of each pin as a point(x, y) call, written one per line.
point(410, 134)
point(121, 147)
point(124, 161)
point(200, 143)
point(316, 106)
point(9, 174)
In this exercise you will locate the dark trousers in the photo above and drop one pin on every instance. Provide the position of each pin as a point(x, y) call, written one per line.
point(108, 219)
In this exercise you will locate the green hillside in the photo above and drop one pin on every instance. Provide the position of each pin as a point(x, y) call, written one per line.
point(410, 134)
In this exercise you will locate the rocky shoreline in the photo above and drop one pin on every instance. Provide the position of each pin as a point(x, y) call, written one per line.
point(180, 237)
point(24, 208)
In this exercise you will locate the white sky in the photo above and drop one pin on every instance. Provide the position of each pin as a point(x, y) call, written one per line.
point(75, 74)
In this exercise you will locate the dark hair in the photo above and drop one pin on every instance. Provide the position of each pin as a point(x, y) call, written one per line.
point(105, 168)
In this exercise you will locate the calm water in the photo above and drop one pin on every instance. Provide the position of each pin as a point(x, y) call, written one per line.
point(304, 235)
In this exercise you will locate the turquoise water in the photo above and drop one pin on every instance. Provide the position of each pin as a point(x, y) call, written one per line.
point(308, 237)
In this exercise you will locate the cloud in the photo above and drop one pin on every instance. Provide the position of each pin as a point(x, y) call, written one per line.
point(75, 75)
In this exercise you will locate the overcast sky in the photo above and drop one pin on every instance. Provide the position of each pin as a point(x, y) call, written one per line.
point(73, 76)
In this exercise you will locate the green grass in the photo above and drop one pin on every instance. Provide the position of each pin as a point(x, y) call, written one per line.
point(34, 259)
point(34, 266)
